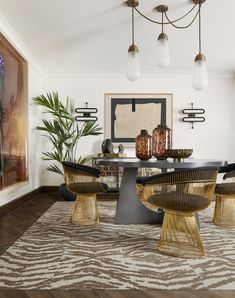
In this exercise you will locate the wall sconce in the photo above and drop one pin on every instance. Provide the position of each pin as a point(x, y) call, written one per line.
point(84, 114)
point(192, 115)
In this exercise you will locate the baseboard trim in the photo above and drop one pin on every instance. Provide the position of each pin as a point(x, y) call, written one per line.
point(18, 202)
point(12, 205)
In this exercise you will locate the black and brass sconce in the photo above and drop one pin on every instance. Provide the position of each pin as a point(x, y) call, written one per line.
point(193, 115)
point(84, 114)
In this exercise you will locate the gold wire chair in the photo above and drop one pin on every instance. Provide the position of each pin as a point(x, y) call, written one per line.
point(82, 180)
point(224, 213)
point(181, 194)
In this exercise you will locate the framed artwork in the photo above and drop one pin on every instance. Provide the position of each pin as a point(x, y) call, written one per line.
point(126, 114)
point(13, 115)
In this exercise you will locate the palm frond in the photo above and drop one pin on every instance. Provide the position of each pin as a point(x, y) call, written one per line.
point(54, 168)
point(52, 156)
point(52, 105)
point(84, 159)
point(62, 130)
point(90, 128)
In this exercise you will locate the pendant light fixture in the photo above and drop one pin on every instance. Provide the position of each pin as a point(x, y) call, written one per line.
point(163, 53)
point(133, 66)
point(200, 80)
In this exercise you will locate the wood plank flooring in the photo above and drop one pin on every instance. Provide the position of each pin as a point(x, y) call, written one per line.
point(18, 221)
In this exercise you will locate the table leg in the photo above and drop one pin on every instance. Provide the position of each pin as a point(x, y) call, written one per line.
point(129, 208)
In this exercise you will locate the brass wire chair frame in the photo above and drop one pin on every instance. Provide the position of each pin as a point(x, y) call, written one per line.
point(224, 212)
point(85, 186)
point(180, 193)
point(180, 236)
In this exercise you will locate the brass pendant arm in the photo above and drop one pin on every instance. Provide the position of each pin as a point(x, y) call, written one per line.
point(165, 23)
point(182, 27)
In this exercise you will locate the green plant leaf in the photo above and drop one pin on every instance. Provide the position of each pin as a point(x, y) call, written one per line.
point(62, 130)
point(83, 160)
point(54, 168)
point(52, 156)
point(90, 128)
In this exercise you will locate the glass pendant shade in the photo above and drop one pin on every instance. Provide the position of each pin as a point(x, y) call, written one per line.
point(200, 79)
point(163, 52)
point(133, 64)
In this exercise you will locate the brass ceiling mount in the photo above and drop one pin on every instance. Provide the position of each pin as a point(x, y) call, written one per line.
point(132, 3)
point(198, 1)
point(162, 8)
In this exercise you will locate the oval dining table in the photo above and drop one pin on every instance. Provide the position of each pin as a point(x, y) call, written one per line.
point(129, 208)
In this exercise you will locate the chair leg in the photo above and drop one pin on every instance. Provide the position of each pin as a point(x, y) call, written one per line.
point(180, 235)
point(85, 211)
point(224, 213)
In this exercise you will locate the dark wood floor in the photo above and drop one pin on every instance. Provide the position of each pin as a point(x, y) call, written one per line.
point(18, 221)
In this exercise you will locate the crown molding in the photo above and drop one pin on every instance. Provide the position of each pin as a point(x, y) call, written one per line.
point(144, 74)
point(18, 43)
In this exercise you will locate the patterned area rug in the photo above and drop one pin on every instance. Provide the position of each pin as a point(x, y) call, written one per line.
point(54, 254)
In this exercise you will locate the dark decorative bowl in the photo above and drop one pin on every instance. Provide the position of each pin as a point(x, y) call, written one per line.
point(179, 154)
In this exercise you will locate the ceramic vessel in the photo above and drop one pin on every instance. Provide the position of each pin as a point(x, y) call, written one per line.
point(107, 146)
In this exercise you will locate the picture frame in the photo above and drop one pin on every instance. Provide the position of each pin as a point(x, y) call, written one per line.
point(127, 113)
point(13, 115)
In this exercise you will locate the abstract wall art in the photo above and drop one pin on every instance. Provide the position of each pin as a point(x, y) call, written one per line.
point(127, 114)
point(13, 115)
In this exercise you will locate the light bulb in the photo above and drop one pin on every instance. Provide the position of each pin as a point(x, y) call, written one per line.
point(200, 79)
point(163, 52)
point(133, 64)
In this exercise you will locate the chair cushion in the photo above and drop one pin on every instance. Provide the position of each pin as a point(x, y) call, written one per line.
point(88, 187)
point(225, 188)
point(83, 168)
point(179, 201)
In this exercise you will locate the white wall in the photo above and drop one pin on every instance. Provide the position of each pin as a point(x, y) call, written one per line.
point(34, 147)
point(214, 138)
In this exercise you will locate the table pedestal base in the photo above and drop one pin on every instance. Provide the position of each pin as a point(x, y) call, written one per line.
point(129, 208)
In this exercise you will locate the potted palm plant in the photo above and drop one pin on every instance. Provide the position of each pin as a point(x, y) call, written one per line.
point(63, 131)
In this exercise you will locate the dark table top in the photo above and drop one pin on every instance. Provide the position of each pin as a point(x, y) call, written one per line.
point(129, 162)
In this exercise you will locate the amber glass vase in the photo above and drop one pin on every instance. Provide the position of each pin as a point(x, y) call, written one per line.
point(143, 145)
point(161, 141)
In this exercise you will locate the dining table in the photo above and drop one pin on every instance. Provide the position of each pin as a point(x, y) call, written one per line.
point(129, 209)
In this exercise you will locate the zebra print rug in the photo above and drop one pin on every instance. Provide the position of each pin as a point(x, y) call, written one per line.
point(53, 254)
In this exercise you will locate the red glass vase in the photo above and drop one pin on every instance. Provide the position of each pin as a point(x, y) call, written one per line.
point(162, 141)
point(143, 145)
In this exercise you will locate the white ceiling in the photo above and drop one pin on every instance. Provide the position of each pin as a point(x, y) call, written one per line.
point(83, 35)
